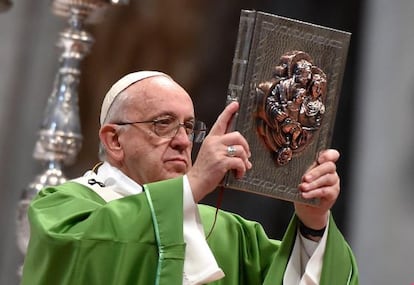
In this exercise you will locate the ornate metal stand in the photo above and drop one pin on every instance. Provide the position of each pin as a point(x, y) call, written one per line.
point(60, 135)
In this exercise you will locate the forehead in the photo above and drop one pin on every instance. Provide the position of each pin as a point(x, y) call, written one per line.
point(159, 95)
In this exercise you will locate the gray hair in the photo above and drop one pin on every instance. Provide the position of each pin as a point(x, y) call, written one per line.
point(115, 114)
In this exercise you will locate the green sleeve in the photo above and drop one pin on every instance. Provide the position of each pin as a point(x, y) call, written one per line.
point(241, 247)
point(339, 265)
point(77, 238)
point(247, 256)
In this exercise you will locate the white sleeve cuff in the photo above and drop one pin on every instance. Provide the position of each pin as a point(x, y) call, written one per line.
point(200, 266)
point(306, 261)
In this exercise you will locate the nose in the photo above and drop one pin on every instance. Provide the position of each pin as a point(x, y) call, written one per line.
point(181, 138)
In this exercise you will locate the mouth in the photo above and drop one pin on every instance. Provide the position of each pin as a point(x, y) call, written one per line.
point(180, 162)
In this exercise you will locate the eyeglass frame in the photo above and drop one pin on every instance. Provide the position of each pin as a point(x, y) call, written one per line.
point(196, 136)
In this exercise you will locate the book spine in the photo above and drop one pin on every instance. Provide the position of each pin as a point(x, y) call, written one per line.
point(240, 59)
point(239, 67)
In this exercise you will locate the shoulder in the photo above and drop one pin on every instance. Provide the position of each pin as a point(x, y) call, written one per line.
point(69, 189)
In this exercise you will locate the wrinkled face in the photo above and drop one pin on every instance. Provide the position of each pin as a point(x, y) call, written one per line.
point(146, 157)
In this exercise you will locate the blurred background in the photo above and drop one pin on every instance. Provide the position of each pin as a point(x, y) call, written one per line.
point(194, 41)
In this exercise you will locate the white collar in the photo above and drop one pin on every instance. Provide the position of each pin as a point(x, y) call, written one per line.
point(112, 176)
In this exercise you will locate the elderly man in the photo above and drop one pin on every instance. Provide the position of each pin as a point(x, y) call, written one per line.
point(135, 219)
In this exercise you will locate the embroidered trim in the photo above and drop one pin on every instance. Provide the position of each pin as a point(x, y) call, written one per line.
point(350, 276)
point(157, 234)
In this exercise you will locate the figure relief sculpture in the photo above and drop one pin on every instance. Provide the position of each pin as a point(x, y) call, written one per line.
point(291, 105)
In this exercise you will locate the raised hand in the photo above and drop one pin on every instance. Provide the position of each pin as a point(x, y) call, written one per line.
point(320, 181)
point(219, 153)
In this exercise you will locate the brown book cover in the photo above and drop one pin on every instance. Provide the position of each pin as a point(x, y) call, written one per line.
point(287, 77)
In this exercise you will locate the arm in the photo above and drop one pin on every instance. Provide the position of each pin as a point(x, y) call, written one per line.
point(77, 238)
point(337, 263)
point(320, 181)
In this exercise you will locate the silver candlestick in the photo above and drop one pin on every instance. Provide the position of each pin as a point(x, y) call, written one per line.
point(60, 137)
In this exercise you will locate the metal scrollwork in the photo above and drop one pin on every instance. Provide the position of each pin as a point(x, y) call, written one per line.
point(291, 105)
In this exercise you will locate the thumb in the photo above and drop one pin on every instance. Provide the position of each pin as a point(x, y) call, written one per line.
point(223, 121)
point(328, 155)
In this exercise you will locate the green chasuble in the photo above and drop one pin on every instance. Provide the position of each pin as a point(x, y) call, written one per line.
point(247, 256)
point(79, 239)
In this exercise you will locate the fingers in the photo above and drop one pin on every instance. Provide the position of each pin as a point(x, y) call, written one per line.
point(238, 159)
point(234, 146)
point(325, 187)
point(322, 180)
point(325, 162)
point(218, 154)
point(235, 138)
point(327, 155)
point(233, 153)
point(318, 171)
point(223, 121)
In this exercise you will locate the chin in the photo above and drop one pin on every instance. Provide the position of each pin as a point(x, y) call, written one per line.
point(177, 174)
point(169, 174)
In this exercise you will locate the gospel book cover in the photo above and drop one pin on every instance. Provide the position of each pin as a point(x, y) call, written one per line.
point(286, 76)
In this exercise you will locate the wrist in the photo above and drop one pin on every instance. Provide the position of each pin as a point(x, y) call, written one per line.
point(311, 232)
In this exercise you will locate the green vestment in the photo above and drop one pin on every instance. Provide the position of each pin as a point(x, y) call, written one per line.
point(79, 239)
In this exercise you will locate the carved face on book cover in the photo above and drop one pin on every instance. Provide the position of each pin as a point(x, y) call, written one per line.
point(290, 105)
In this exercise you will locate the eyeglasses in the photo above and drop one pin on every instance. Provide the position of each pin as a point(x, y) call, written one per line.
point(167, 127)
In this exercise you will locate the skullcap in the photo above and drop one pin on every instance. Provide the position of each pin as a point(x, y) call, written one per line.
point(121, 85)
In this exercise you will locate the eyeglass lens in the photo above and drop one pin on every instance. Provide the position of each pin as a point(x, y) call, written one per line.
point(169, 127)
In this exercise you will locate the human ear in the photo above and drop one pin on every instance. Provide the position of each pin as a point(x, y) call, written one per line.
point(108, 134)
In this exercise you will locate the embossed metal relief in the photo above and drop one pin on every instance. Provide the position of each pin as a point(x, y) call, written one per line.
point(291, 105)
point(286, 76)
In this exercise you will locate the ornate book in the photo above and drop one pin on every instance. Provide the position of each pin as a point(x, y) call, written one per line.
point(286, 76)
